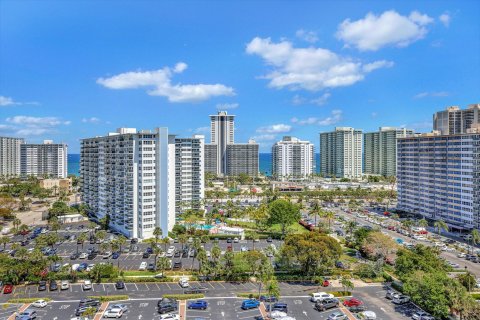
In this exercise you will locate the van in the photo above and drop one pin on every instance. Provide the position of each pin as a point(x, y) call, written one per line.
point(319, 296)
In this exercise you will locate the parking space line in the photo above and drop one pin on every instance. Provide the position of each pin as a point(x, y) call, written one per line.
point(22, 308)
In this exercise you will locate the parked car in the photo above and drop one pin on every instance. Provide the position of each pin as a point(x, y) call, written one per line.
point(119, 285)
point(143, 266)
point(250, 304)
point(177, 265)
point(82, 309)
point(39, 304)
point(357, 309)
point(64, 285)
point(166, 305)
point(337, 316)
point(53, 285)
point(368, 315)
point(199, 304)
point(419, 315)
point(391, 294)
point(352, 302)
point(87, 285)
point(89, 303)
point(196, 289)
point(115, 255)
point(42, 285)
point(328, 303)
point(317, 296)
point(401, 299)
point(113, 313)
point(26, 315)
point(280, 307)
point(268, 298)
point(183, 283)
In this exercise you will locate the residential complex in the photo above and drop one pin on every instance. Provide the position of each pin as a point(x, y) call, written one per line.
point(189, 172)
point(223, 156)
point(44, 160)
point(341, 153)
point(129, 175)
point(293, 159)
point(438, 177)
point(455, 120)
point(10, 156)
point(380, 150)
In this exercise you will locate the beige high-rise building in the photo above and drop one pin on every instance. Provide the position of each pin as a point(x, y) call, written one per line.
point(10, 156)
point(341, 153)
point(293, 159)
point(455, 120)
point(380, 150)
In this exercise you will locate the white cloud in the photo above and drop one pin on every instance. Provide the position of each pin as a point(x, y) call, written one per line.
point(160, 81)
point(374, 114)
point(264, 137)
point(320, 101)
point(445, 19)
point(388, 29)
point(335, 117)
point(311, 68)
point(298, 100)
point(202, 130)
point(308, 36)
point(275, 128)
point(419, 126)
point(227, 106)
point(31, 126)
point(8, 101)
point(435, 94)
point(91, 120)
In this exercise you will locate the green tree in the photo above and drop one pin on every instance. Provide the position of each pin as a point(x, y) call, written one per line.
point(4, 241)
point(284, 213)
point(440, 225)
point(163, 263)
point(422, 223)
point(346, 283)
point(467, 280)
point(273, 289)
point(157, 233)
point(82, 237)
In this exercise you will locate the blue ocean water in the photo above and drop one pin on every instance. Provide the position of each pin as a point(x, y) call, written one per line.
point(265, 163)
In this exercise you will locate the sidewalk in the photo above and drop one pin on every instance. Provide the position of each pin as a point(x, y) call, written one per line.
point(22, 308)
point(182, 309)
point(102, 308)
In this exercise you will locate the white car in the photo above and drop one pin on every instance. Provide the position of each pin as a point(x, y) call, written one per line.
point(183, 283)
point(107, 254)
point(277, 315)
point(90, 267)
point(87, 285)
point(113, 313)
point(319, 296)
point(208, 254)
point(64, 285)
point(461, 255)
point(170, 251)
point(143, 266)
point(369, 315)
point(83, 255)
point(170, 316)
point(120, 306)
point(39, 304)
point(75, 267)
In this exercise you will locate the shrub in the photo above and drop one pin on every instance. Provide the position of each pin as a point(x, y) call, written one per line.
point(251, 294)
point(184, 296)
point(109, 298)
point(341, 293)
point(27, 300)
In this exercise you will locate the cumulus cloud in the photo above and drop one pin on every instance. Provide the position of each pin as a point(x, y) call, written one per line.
point(335, 117)
point(264, 137)
point(275, 128)
point(320, 101)
point(91, 120)
point(388, 29)
point(8, 101)
point(161, 83)
point(310, 68)
point(227, 106)
point(32, 126)
point(308, 36)
point(445, 19)
point(434, 94)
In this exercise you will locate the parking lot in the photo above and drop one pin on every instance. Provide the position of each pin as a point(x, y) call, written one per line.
point(6, 310)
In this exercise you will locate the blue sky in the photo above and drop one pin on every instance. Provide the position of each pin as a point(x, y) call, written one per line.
point(71, 70)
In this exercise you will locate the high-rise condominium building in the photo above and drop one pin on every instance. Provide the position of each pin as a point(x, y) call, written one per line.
point(455, 120)
point(47, 159)
point(10, 156)
point(438, 176)
point(189, 172)
point(341, 153)
point(380, 150)
point(129, 175)
point(292, 159)
point(225, 157)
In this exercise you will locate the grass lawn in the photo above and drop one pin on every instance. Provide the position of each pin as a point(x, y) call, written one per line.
point(276, 228)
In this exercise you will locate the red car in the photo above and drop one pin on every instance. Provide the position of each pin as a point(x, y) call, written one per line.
point(352, 302)
point(8, 288)
point(325, 283)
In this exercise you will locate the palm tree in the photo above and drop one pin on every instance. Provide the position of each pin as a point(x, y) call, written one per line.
point(329, 216)
point(422, 223)
point(162, 264)
point(157, 233)
point(273, 289)
point(182, 239)
point(408, 224)
point(475, 237)
point(156, 252)
point(82, 237)
point(351, 225)
point(104, 246)
point(440, 225)
point(16, 222)
point(346, 283)
point(4, 241)
point(253, 236)
point(315, 210)
point(121, 241)
point(165, 241)
point(196, 246)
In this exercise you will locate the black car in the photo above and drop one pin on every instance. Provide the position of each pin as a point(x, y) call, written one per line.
point(120, 285)
point(229, 240)
point(89, 303)
point(24, 243)
point(177, 265)
point(42, 286)
point(195, 290)
point(326, 304)
point(146, 255)
point(91, 255)
point(268, 298)
point(134, 241)
point(74, 256)
point(359, 308)
point(92, 240)
point(166, 305)
point(151, 267)
point(134, 248)
point(177, 254)
point(280, 307)
point(269, 239)
point(53, 285)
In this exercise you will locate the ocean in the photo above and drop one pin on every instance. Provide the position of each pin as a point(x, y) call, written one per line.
point(265, 163)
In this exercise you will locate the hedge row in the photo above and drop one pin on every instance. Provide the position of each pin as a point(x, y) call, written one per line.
point(147, 279)
point(251, 294)
point(109, 298)
point(184, 296)
point(27, 300)
point(341, 293)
